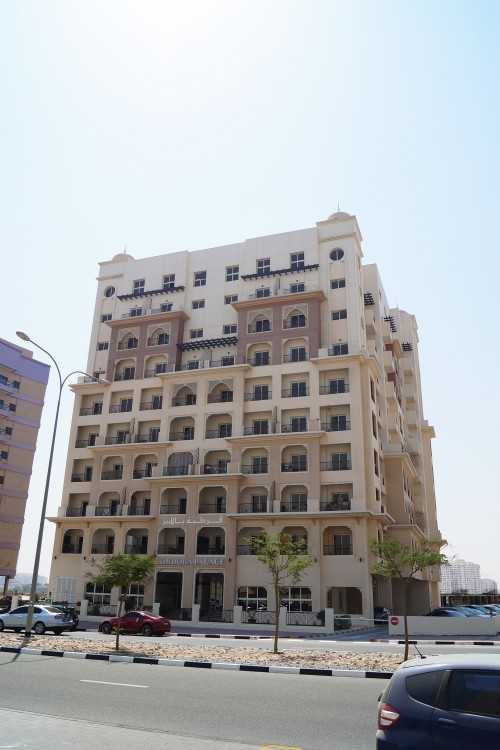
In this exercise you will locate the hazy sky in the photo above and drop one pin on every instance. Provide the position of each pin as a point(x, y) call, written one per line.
point(181, 125)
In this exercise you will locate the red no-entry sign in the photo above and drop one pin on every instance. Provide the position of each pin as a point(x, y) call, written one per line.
point(394, 620)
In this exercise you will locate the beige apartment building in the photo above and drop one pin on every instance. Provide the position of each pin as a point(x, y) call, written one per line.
point(265, 385)
point(23, 381)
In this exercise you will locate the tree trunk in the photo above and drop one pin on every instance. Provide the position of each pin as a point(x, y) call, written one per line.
point(120, 608)
point(276, 617)
point(405, 619)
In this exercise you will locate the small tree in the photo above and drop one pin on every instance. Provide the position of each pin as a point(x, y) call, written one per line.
point(285, 560)
point(396, 560)
point(121, 571)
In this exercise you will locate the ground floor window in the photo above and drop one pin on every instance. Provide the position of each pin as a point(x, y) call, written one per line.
point(296, 599)
point(98, 596)
point(135, 597)
point(252, 597)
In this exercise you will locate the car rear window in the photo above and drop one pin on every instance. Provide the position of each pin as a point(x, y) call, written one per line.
point(474, 692)
point(53, 609)
point(424, 686)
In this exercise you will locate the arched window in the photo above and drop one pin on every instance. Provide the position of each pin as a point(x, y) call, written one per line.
point(336, 254)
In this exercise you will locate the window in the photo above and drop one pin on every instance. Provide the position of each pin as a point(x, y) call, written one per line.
point(126, 404)
point(230, 298)
point(97, 593)
point(259, 464)
point(109, 291)
point(260, 427)
point(298, 389)
point(198, 304)
point(297, 354)
point(12, 407)
point(163, 338)
point(263, 291)
point(156, 402)
point(341, 461)
point(102, 346)
point(165, 307)
point(168, 282)
point(252, 598)
point(229, 328)
point(424, 687)
point(261, 358)
point(138, 287)
point(336, 254)
point(262, 325)
point(298, 424)
point(337, 284)
point(474, 692)
point(135, 597)
point(297, 321)
point(196, 333)
point(263, 266)
point(339, 314)
point(299, 286)
point(375, 462)
point(200, 278)
point(374, 425)
point(232, 273)
point(227, 360)
point(135, 312)
point(226, 396)
point(342, 544)
point(296, 261)
point(161, 367)
point(106, 317)
point(338, 349)
point(225, 430)
point(6, 430)
point(298, 462)
point(296, 599)
point(372, 390)
point(188, 433)
point(336, 386)
point(4, 455)
point(193, 364)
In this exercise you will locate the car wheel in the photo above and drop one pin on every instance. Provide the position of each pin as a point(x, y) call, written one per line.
point(105, 628)
point(2, 626)
point(147, 630)
point(39, 628)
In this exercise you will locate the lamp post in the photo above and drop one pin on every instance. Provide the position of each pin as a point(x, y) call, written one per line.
point(62, 381)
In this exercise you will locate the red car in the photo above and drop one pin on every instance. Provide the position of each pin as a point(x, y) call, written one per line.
point(137, 622)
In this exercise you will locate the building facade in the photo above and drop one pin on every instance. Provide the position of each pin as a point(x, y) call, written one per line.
point(464, 577)
point(265, 385)
point(23, 381)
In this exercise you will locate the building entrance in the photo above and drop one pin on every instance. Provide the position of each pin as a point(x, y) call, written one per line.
point(169, 593)
point(209, 593)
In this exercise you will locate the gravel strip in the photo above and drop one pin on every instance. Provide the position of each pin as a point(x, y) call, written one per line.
point(129, 646)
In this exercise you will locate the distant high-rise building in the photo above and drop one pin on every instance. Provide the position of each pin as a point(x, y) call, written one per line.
point(461, 577)
point(265, 385)
point(22, 388)
point(488, 586)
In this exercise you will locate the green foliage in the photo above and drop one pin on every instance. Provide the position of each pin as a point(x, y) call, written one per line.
point(396, 560)
point(122, 570)
point(284, 557)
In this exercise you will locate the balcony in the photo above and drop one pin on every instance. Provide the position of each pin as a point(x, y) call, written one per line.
point(170, 549)
point(332, 389)
point(294, 466)
point(263, 395)
point(71, 549)
point(261, 429)
point(336, 424)
point(87, 477)
point(120, 408)
point(338, 350)
point(253, 506)
point(174, 509)
point(302, 356)
point(339, 503)
point(214, 468)
point(85, 442)
point(225, 397)
point(142, 473)
point(102, 549)
point(339, 462)
point(294, 392)
point(124, 439)
point(211, 549)
point(136, 549)
point(139, 510)
point(225, 432)
point(245, 549)
point(259, 361)
point(108, 510)
point(87, 411)
point(162, 340)
point(177, 471)
point(189, 400)
point(147, 437)
point(124, 376)
point(132, 344)
point(337, 549)
point(152, 373)
point(298, 426)
point(294, 505)
point(197, 364)
point(115, 474)
point(187, 435)
point(288, 324)
point(141, 312)
point(260, 468)
point(212, 506)
point(149, 405)
point(80, 511)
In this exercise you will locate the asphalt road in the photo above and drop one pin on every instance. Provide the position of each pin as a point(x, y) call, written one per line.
point(48, 702)
point(292, 644)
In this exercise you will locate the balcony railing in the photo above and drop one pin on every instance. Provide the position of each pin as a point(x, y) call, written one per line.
point(300, 357)
point(119, 408)
point(297, 505)
point(261, 429)
point(112, 474)
point(71, 549)
point(211, 549)
point(214, 468)
point(6, 383)
point(118, 439)
point(343, 463)
point(335, 504)
point(146, 437)
point(338, 386)
point(108, 510)
point(85, 442)
point(259, 395)
point(142, 473)
point(178, 509)
point(184, 401)
point(81, 477)
point(253, 506)
point(148, 405)
point(336, 425)
point(124, 376)
point(225, 397)
point(294, 466)
point(102, 549)
point(170, 549)
point(261, 468)
point(136, 549)
point(141, 312)
point(259, 329)
point(297, 427)
point(182, 435)
point(152, 373)
point(337, 549)
point(87, 411)
point(259, 362)
point(80, 510)
point(177, 471)
point(128, 345)
point(338, 350)
point(202, 364)
point(213, 506)
point(139, 510)
point(154, 341)
point(294, 392)
point(293, 324)
point(245, 549)
point(219, 433)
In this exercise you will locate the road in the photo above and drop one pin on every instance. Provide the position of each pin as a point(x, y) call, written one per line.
point(294, 644)
point(48, 702)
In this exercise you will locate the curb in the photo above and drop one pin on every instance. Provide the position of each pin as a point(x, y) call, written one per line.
point(435, 643)
point(200, 664)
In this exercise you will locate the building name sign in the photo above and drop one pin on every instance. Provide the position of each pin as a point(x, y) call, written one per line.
point(200, 521)
point(205, 561)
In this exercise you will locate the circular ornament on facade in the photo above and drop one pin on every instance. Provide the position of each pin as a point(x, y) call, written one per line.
point(336, 254)
point(109, 291)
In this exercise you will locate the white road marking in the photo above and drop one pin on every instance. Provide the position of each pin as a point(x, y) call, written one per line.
point(118, 684)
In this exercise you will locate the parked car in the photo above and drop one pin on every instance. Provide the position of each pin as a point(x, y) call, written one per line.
point(68, 609)
point(486, 609)
point(445, 612)
point(381, 615)
point(137, 622)
point(442, 702)
point(470, 611)
point(45, 617)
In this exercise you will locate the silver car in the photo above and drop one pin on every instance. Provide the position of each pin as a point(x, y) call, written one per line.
point(45, 617)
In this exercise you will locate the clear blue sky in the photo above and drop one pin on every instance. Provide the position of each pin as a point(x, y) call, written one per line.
point(182, 125)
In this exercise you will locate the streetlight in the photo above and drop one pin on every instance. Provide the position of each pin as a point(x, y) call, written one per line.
point(62, 381)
